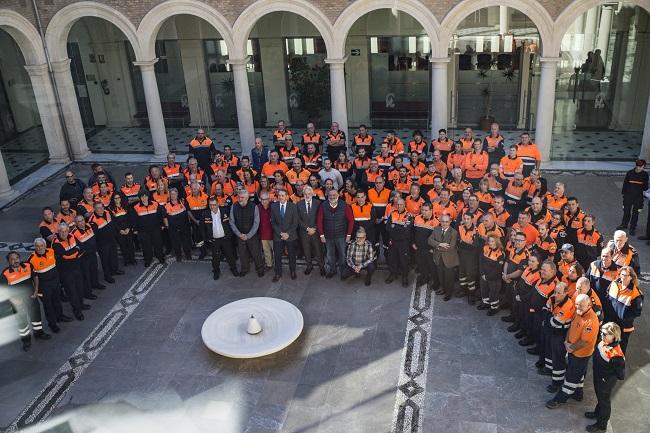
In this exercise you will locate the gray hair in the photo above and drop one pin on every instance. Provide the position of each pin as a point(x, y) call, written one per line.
point(40, 241)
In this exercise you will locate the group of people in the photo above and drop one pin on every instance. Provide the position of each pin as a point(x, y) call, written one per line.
point(472, 216)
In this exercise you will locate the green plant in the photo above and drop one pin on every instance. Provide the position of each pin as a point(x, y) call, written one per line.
point(228, 85)
point(311, 84)
point(486, 92)
point(508, 74)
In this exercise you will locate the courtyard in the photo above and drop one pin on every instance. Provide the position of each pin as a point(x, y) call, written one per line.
point(370, 359)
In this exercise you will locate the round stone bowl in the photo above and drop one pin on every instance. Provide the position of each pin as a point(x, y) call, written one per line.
point(224, 331)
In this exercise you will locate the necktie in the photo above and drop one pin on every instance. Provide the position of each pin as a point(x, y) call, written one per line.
point(282, 210)
point(308, 207)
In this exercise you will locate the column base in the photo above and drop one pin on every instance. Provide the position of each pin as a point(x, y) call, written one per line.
point(58, 160)
point(9, 194)
point(87, 153)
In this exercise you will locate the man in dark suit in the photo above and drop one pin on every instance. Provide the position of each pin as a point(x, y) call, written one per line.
point(217, 233)
point(444, 240)
point(284, 220)
point(311, 244)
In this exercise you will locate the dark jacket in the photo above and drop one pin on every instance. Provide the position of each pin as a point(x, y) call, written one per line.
point(288, 224)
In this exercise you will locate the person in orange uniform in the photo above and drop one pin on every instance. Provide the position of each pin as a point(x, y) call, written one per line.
point(456, 159)
point(197, 202)
point(344, 165)
point(66, 213)
point(68, 255)
point(609, 368)
point(47, 284)
point(172, 171)
point(445, 206)
point(418, 145)
point(414, 201)
point(457, 184)
point(538, 215)
point(245, 165)
point(362, 213)
point(559, 312)
point(280, 134)
point(313, 159)
point(492, 260)
point(523, 225)
point(516, 260)
point(469, 247)
point(23, 299)
point(475, 164)
point(311, 136)
point(289, 151)
point(556, 200)
point(384, 158)
point(131, 189)
point(573, 217)
point(589, 242)
point(428, 177)
point(202, 148)
point(443, 144)
point(49, 225)
point(510, 164)
point(529, 154)
point(439, 164)
point(177, 222)
point(579, 344)
point(85, 237)
point(365, 140)
point(496, 184)
point(624, 303)
point(493, 144)
point(467, 141)
point(379, 196)
point(370, 175)
point(272, 165)
point(335, 140)
point(415, 166)
point(149, 229)
point(403, 183)
point(423, 225)
point(398, 226)
point(395, 145)
point(297, 172)
point(545, 246)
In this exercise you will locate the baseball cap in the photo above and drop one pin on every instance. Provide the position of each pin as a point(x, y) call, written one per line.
point(567, 247)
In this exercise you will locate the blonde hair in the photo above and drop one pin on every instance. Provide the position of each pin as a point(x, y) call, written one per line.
point(613, 329)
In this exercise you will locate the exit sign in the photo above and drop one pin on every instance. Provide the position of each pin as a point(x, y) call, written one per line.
point(355, 52)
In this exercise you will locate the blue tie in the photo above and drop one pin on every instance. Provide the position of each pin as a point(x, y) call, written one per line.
point(282, 210)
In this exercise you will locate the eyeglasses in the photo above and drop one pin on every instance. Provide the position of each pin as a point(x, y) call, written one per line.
point(624, 275)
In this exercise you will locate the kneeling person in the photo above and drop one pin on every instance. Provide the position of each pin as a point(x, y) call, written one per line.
point(360, 256)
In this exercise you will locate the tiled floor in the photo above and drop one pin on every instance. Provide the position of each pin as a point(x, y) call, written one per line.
point(340, 376)
point(568, 145)
point(25, 153)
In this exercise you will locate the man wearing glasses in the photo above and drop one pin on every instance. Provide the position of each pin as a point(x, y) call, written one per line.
point(360, 256)
point(444, 240)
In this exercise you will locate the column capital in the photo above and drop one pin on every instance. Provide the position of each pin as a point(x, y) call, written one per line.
point(36, 70)
point(146, 65)
point(61, 66)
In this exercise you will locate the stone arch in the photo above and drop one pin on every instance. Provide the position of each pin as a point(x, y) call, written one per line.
point(359, 8)
point(154, 19)
point(59, 27)
point(532, 9)
point(574, 10)
point(249, 17)
point(25, 35)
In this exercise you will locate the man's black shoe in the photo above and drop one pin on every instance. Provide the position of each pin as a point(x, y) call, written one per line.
point(513, 328)
point(632, 231)
point(146, 265)
point(446, 298)
point(482, 306)
point(526, 341)
point(322, 272)
point(40, 335)
point(531, 350)
point(119, 272)
point(85, 307)
point(293, 275)
point(621, 227)
point(80, 317)
point(100, 287)
point(55, 329)
point(27, 345)
point(260, 274)
point(367, 282)
point(64, 318)
point(390, 279)
point(591, 415)
point(308, 270)
point(110, 280)
point(493, 311)
point(215, 276)
point(91, 297)
point(544, 372)
point(508, 319)
point(276, 278)
point(595, 428)
point(553, 388)
point(520, 334)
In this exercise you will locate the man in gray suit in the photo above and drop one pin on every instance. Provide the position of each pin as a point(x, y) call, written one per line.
point(284, 220)
point(444, 240)
point(307, 231)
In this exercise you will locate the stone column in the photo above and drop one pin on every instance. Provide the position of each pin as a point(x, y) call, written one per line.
point(243, 101)
point(439, 94)
point(274, 70)
point(591, 22)
point(504, 20)
point(645, 141)
point(337, 89)
point(70, 108)
point(6, 190)
point(196, 82)
point(48, 112)
point(545, 106)
point(604, 27)
point(154, 109)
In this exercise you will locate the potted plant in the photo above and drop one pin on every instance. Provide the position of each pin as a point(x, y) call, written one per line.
point(312, 85)
point(487, 120)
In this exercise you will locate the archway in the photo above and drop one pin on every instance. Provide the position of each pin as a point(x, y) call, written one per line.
point(22, 139)
point(495, 50)
point(388, 70)
point(602, 94)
